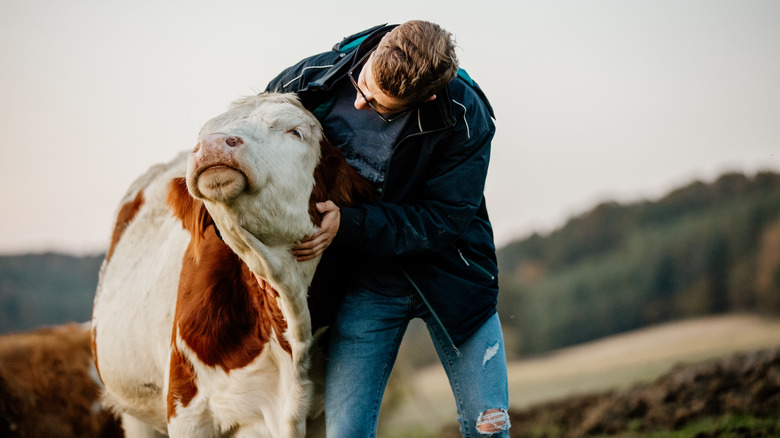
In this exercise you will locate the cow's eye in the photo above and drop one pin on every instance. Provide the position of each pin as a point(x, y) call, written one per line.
point(296, 133)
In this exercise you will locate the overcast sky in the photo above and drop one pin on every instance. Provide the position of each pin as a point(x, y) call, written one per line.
point(595, 100)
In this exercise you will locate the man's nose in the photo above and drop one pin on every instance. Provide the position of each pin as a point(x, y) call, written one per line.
point(360, 103)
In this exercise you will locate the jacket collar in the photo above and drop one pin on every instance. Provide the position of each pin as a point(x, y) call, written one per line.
point(436, 114)
point(350, 50)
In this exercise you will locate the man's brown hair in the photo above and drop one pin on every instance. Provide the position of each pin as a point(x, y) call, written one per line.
point(415, 60)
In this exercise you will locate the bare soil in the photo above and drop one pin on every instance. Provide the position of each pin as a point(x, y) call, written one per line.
point(740, 384)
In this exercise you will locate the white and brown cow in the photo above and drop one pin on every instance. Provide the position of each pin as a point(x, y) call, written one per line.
point(201, 325)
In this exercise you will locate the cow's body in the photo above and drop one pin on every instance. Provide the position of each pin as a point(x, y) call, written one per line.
point(201, 325)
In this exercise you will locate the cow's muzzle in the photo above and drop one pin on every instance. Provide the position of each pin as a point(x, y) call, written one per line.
point(216, 167)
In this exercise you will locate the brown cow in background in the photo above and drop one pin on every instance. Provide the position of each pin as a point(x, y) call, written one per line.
point(49, 388)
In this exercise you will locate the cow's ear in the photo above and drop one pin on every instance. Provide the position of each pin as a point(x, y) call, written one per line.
point(192, 212)
point(337, 181)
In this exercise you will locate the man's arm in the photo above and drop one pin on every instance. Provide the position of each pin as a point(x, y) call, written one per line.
point(442, 212)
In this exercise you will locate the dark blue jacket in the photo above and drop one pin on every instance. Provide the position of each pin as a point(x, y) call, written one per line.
point(430, 223)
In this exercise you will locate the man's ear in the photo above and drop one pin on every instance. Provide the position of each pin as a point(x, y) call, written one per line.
point(433, 97)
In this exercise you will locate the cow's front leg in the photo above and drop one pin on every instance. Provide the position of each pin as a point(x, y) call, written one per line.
point(135, 428)
point(263, 429)
point(187, 409)
point(193, 421)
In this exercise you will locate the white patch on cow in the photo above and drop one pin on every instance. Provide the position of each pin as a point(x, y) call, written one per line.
point(135, 301)
point(252, 392)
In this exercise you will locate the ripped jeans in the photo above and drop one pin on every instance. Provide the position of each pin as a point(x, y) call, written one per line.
point(364, 343)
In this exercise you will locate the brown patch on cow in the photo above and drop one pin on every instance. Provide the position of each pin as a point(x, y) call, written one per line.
point(268, 305)
point(222, 312)
point(126, 215)
point(181, 382)
point(337, 181)
point(224, 315)
point(192, 212)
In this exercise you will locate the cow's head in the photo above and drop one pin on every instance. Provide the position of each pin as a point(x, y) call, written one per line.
point(256, 164)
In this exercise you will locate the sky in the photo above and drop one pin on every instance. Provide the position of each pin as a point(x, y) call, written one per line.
point(596, 100)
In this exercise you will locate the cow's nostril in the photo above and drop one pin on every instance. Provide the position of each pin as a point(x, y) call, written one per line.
point(234, 141)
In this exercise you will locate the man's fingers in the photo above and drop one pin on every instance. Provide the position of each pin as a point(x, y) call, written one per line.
point(309, 243)
point(312, 246)
point(324, 207)
point(307, 254)
point(306, 257)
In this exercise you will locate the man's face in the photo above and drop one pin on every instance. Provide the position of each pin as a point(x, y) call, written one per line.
point(383, 103)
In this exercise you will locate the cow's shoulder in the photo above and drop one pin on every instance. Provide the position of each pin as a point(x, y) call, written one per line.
point(147, 192)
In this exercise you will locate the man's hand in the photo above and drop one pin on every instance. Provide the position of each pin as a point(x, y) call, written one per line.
point(315, 244)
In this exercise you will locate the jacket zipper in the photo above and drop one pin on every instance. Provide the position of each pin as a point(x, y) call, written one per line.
point(406, 274)
point(413, 134)
point(468, 262)
point(433, 312)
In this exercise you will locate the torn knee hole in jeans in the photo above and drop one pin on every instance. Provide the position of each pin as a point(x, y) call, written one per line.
point(492, 421)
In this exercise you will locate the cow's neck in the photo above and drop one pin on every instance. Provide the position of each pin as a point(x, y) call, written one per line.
point(274, 263)
point(222, 313)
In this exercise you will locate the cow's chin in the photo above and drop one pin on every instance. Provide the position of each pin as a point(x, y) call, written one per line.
point(221, 183)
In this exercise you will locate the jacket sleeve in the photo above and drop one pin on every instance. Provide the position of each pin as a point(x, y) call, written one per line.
point(288, 80)
point(297, 77)
point(446, 205)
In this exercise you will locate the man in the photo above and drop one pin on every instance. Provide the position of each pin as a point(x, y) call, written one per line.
point(394, 101)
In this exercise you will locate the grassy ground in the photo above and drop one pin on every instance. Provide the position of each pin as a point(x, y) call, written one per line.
point(421, 403)
point(727, 426)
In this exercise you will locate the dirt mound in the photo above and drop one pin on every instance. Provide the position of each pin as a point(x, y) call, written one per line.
point(745, 383)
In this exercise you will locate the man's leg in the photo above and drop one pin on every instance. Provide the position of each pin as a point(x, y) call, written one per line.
point(364, 343)
point(478, 379)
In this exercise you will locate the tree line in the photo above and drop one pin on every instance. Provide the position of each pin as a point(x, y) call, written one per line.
point(703, 249)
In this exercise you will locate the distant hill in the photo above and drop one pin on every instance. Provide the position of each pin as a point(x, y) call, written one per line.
point(46, 289)
point(702, 249)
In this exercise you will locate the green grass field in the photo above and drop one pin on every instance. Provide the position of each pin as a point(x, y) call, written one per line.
point(727, 426)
